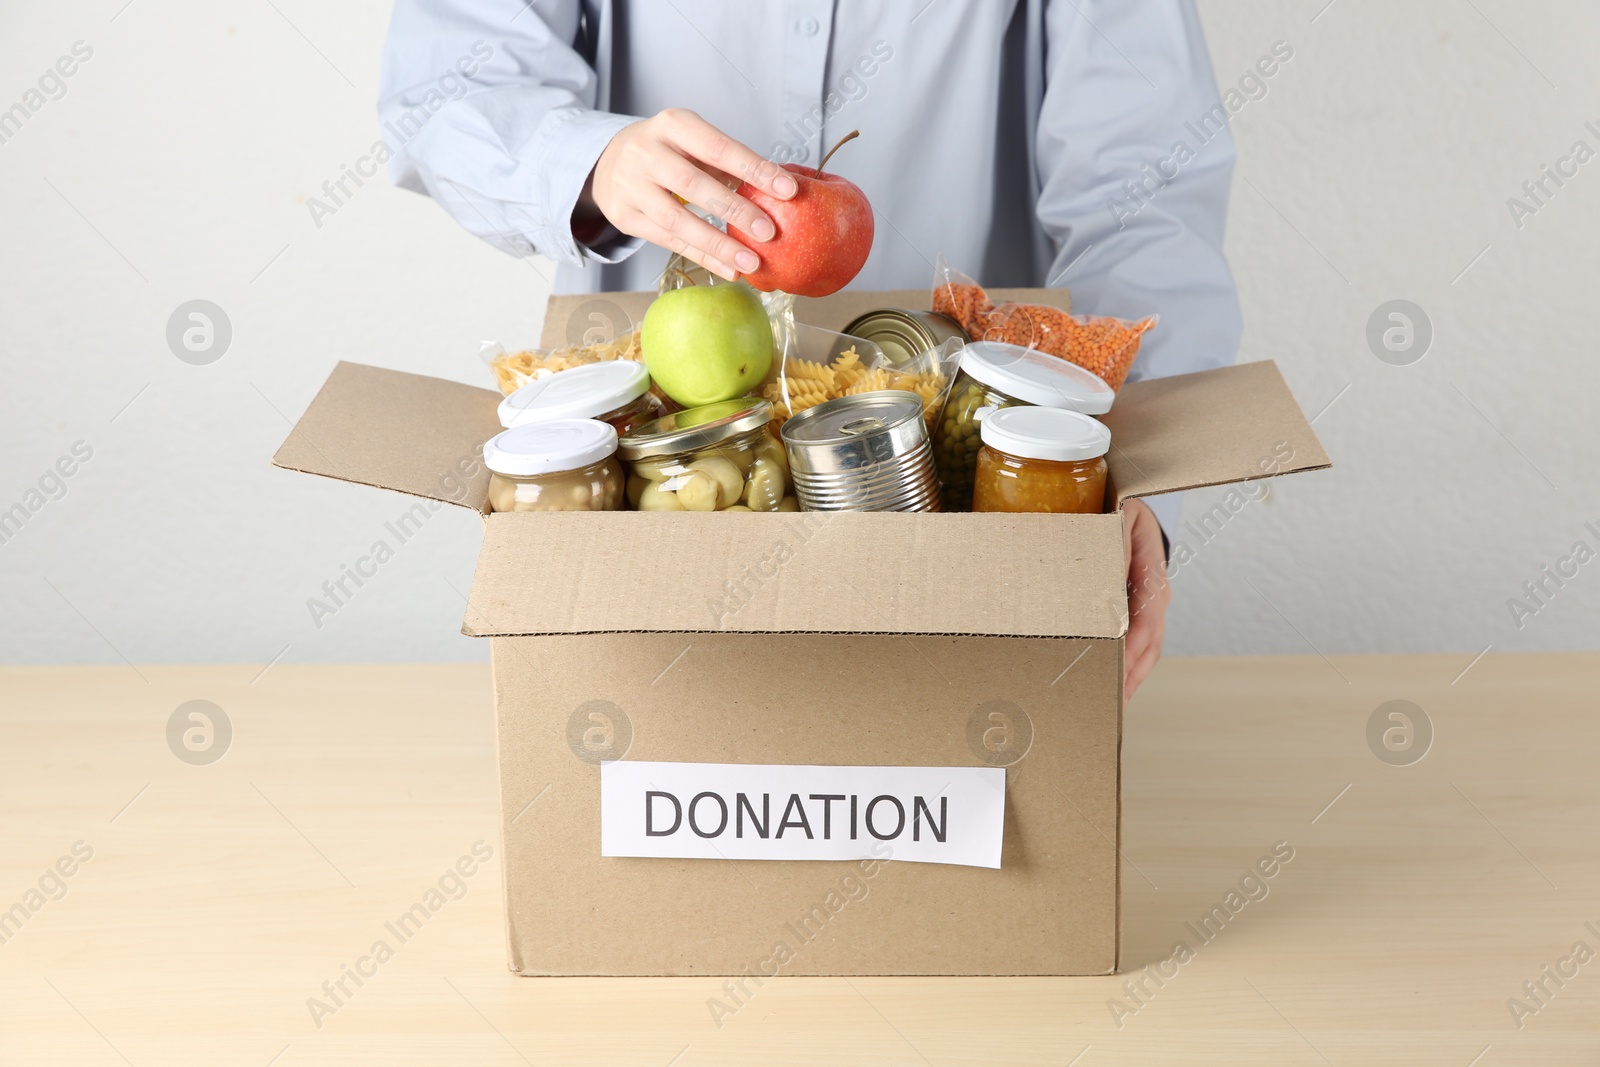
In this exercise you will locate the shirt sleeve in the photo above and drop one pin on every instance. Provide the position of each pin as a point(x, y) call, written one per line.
point(1135, 160)
point(489, 107)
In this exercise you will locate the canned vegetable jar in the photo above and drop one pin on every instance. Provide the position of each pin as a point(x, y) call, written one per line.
point(615, 391)
point(994, 375)
point(716, 457)
point(561, 465)
point(1042, 459)
point(867, 452)
point(903, 335)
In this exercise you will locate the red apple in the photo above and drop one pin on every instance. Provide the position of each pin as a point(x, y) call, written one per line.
point(824, 233)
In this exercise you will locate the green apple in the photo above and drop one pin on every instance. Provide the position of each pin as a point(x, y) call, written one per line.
point(705, 343)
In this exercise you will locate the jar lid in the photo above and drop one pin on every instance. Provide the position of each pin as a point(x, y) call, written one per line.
point(548, 447)
point(576, 393)
point(1036, 377)
point(1045, 433)
point(695, 428)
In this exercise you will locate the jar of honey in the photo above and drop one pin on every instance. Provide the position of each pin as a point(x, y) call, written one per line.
point(1041, 459)
point(994, 375)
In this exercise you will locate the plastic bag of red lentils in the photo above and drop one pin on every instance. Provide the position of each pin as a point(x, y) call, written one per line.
point(1100, 344)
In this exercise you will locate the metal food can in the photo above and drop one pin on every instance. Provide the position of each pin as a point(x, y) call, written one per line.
point(867, 452)
point(903, 334)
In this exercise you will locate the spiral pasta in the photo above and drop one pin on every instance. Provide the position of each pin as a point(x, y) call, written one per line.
point(802, 384)
point(516, 369)
point(802, 370)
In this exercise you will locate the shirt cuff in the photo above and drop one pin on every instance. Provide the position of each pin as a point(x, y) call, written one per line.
point(609, 245)
point(568, 147)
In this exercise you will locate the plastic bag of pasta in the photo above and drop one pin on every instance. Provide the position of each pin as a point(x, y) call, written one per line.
point(928, 374)
point(814, 365)
point(513, 370)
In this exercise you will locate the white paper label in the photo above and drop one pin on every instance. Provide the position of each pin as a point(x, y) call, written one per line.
point(785, 812)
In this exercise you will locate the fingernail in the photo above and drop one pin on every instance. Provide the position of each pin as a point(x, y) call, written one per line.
point(784, 185)
point(762, 230)
point(747, 261)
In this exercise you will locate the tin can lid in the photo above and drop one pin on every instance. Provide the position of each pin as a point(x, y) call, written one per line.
point(1036, 377)
point(903, 334)
point(576, 393)
point(1045, 433)
point(849, 418)
point(548, 447)
point(695, 428)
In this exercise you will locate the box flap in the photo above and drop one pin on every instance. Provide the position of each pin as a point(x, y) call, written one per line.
point(800, 572)
point(394, 430)
point(572, 315)
point(1213, 427)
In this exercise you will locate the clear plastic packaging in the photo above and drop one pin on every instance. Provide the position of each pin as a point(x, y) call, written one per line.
point(904, 333)
point(815, 365)
point(513, 370)
point(1102, 345)
point(930, 375)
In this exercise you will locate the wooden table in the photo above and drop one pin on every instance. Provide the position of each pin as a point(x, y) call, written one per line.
point(220, 897)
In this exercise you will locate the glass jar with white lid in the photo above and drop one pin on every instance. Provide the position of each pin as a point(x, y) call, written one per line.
point(1038, 459)
point(994, 375)
point(615, 391)
point(560, 465)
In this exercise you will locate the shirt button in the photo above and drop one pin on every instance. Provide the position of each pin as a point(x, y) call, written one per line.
point(808, 27)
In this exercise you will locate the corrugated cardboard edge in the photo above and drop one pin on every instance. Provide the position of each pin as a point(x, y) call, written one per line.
point(1214, 427)
point(513, 958)
point(411, 433)
point(1122, 730)
point(569, 318)
point(1046, 576)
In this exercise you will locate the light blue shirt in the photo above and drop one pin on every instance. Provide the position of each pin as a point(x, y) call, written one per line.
point(1076, 143)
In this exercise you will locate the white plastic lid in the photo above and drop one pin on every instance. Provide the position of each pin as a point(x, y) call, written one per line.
point(576, 393)
point(547, 447)
point(1045, 433)
point(1036, 377)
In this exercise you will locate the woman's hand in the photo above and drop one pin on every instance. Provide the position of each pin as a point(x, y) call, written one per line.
point(651, 168)
point(1148, 592)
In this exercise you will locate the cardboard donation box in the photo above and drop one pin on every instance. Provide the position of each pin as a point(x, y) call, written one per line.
point(806, 743)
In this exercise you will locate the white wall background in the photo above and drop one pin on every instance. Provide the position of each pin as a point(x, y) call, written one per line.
point(179, 161)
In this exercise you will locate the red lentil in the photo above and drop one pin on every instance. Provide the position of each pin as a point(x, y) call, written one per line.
point(1105, 346)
